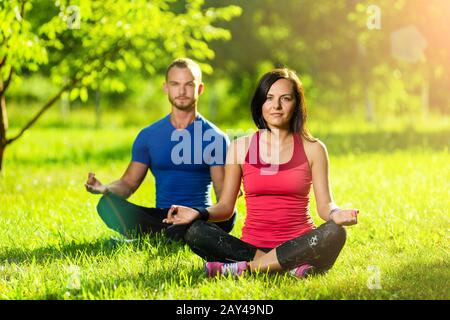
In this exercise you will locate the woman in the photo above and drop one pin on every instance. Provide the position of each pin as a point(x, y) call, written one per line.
point(277, 164)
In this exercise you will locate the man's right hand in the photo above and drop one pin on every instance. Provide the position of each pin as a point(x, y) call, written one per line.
point(94, 186)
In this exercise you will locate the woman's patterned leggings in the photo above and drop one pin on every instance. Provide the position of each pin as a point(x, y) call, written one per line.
point(319, 247)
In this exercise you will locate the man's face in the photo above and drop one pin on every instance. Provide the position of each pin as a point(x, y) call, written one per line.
point(182, 88)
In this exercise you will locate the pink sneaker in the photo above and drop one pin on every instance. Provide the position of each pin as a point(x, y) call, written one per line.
point(234, 268)
point(302, 271)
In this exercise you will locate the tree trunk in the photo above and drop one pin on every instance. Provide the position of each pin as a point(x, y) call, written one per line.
point(425, 98)
point(213, 105)
point(98, 110)
point(365, 72)
point(3, 128)
point(370, 117)
point(425, 95)
point(2, 151)
point(65, 108)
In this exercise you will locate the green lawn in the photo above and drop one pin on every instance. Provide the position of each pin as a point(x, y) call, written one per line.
point(54, 246)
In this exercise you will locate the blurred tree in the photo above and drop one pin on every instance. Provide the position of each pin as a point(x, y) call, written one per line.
point(314, 38)
point(406, 59)
point(85, 43)
point(342, 56)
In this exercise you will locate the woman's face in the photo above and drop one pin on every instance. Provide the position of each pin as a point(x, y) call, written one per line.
point(279, 106)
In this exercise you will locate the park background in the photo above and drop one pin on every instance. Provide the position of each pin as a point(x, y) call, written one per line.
point(79, 79)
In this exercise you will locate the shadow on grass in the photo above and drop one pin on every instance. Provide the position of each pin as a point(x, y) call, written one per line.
point(102, 247)
point(410, 281)
point(417, 280)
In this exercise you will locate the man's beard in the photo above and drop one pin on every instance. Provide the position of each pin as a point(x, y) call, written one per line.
point(185, 105)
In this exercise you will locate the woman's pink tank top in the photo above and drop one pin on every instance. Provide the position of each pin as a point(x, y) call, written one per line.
point(277, 197)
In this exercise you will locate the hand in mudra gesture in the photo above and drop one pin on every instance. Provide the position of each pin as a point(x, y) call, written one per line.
point(345, 217)
point(94, 186)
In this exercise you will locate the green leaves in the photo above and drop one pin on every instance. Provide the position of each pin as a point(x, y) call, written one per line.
point(21, 48)
point(99, 41)
point(83, 94)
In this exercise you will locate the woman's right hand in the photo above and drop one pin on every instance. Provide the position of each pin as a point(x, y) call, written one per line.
point(346, 217)
point(94, 186)
point(181, 215)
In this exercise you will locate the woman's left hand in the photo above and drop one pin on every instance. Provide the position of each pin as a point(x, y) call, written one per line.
point(346, 217)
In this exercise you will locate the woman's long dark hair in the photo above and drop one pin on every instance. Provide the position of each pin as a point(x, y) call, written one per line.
point(297, 123)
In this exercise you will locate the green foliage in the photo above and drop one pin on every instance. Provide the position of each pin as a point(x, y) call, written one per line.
point(20, 45)
point(95, 42)
point(327, 42)
point(330, 43)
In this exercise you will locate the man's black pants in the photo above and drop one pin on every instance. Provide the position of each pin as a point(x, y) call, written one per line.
point(131, 220)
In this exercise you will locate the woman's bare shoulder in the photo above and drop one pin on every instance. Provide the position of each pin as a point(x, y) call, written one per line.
point(314, 149)
point(239, 147)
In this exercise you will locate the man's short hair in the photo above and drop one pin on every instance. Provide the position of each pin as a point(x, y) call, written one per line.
point(186, 63)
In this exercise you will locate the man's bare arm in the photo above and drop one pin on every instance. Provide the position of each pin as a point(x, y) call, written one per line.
point(125, 186)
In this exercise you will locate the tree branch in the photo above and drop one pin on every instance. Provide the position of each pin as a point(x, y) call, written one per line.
point(2, 63)
point(7, 82)
point(68, 86)
point(43, 109)
point(22, 10)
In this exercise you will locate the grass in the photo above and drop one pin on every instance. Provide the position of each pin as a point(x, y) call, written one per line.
point(53, 245)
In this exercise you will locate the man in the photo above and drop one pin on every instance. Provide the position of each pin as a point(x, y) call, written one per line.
point(184, 152)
